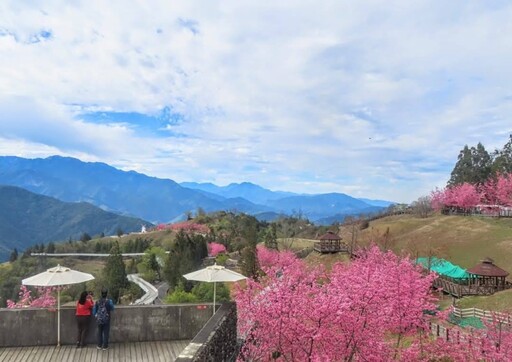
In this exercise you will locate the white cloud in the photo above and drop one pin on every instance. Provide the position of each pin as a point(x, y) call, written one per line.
point(369, 97)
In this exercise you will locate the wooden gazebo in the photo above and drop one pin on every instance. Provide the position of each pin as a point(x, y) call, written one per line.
point(483, 279)
point(330, 243)
point(486, 274)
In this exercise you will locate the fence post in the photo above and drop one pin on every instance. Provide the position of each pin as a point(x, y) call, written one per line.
point(437, 331)
point(447, 335)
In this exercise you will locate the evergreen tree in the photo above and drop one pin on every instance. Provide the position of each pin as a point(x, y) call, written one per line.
point(50, 249)
point(171, 268)
point(85, 237)
point(185, 256)
point(115, 273)
point(473, 166)
point(129, 246)
point(249, 260)
point(503, 159)
point(153, 265)
point(131, 268)
point(14, 255)
point(271, 237)
point(151, 262)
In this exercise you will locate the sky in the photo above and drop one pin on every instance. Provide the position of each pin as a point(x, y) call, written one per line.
point(373, 99)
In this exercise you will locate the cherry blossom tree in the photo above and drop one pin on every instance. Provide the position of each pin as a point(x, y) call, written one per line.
point(504, 190)
point(437, 198)
point(187, 226)
point(488, 192)
point(216, 248)
point(360, 311)
point(370, 310)
point(464, 196)
point(494, 191)
point(44, 298)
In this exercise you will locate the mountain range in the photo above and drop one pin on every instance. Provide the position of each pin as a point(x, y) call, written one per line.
point(163, 200)
point(27, 218)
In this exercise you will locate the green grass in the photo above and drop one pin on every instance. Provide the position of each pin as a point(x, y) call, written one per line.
point(328, 260)
point(501, 302)
point(294, 244)
point(464, 241)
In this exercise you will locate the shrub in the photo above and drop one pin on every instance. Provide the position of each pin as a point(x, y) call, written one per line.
point(204, 292)
point(180, 296)
point(221, 259)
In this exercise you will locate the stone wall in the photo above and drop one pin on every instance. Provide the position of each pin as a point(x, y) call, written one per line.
point(32, 327)
point(217, 341)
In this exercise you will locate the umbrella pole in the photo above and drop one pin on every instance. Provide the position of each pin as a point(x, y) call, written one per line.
point(214, 294)
point(58, 317)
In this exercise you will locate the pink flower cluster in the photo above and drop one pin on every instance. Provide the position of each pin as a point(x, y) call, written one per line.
point(44, 298)
point(496, 191)
point(370, 310)
point(215, 249)
point(187, 226)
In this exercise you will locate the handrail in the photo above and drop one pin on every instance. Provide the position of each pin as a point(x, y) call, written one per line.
point(480, 313)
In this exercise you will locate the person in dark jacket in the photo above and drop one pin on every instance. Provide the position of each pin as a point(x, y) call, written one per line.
point(102, 311)
point(83, 315)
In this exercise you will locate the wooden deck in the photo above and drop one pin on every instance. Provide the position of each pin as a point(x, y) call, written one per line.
point(136, 352)
point(460, 290)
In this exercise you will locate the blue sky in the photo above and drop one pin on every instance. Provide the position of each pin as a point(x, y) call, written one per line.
point(370, 98)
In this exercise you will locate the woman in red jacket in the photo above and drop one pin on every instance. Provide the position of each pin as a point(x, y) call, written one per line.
point(83, 314)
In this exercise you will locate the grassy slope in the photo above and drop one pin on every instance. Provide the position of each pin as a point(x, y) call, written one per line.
point(462, 240)
point(314, 258)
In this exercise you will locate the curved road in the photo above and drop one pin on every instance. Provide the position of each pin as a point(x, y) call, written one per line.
point(151, 293)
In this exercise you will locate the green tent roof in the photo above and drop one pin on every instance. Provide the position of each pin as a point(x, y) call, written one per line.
point(444, 267)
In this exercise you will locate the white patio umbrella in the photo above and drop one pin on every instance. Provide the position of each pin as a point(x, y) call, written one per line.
point(213, 274)
point(57, 276)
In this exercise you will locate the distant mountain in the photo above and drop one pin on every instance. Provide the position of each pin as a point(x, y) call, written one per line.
point(314, 207)
point(27, 218)
point(319, 206)
point(129, 193)
point(268, 216)
point(249, 191)
point(380, 203)
point(163, 200)
point(339, 218)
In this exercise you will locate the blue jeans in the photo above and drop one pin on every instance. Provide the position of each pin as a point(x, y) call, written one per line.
point(103, 332)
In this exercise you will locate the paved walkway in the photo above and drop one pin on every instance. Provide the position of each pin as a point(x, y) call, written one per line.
point(150, 292)
point(142, 351)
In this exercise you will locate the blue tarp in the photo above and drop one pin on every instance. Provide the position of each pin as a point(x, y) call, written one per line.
point(444, 267)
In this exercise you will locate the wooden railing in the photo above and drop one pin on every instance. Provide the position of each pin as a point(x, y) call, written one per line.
point(460, 290)
point(483, 314)
point(474, 211)
point(448, 334)
point(456, 334)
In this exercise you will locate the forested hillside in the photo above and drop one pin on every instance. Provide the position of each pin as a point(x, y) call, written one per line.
point(27, 218)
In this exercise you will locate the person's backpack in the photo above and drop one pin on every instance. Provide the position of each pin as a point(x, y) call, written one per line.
point(102, 314)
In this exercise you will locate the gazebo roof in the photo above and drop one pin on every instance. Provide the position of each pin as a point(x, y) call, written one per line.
point(488, 269)
point(330, 236)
